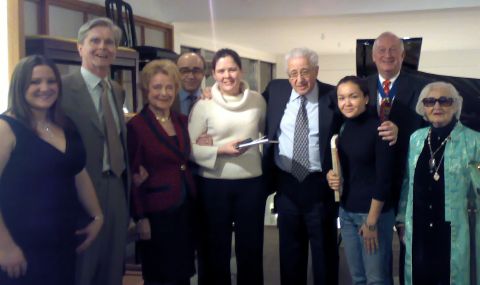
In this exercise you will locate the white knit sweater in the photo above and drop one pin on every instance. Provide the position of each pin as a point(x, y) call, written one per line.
point(227, 118)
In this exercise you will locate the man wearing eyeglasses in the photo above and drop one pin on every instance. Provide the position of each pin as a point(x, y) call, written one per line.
point(394, 94)
point(192, 71)
point(301, 116)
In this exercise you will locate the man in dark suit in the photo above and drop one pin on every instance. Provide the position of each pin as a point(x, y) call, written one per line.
point(192, 71)
point(305, 204)
point(94, 103)
point(401, 90)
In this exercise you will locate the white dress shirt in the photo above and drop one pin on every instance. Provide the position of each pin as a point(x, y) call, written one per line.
point(285, 134)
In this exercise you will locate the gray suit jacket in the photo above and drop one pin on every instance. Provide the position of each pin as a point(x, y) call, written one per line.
point(77, 104)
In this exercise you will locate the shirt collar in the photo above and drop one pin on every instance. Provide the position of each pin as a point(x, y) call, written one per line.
point(91, 79)
point(392, 80)
point(184, 94)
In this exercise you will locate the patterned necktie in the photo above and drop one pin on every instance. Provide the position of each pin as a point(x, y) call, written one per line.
point(114, 147)
point(300, 159)
point(191, 101)
point(386, 103)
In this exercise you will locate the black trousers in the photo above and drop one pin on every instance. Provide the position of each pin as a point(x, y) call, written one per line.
point(224, 203)
point(303, 222)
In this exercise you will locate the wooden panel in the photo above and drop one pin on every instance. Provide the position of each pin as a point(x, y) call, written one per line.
point(16, 37)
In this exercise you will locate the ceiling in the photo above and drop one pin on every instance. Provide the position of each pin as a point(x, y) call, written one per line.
point(327, 26)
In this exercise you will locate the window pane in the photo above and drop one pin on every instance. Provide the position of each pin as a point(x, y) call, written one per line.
point(154, 38)
point(250, 72)
point(266, 74)
point(64, 22)
point(208, 55)
point(30, 19)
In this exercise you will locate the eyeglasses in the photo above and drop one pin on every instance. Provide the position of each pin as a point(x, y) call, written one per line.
point(304, 73)
point(442, 101)
point(194, 71)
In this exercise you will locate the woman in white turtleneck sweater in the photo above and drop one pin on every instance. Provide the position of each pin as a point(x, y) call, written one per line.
point(230, 185)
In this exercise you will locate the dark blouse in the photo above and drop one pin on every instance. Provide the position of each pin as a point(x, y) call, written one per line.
point(366, 162)
point(431, 233)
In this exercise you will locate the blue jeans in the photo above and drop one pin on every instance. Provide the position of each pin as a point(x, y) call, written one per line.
point(365, 268)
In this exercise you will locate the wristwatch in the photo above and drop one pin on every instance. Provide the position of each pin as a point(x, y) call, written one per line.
point(371, 228)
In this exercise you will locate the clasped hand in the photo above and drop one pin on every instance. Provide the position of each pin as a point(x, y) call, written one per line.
point(12, 261)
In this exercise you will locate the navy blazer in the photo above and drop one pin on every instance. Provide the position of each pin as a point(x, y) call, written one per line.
point(277, 95)
point(167, 163)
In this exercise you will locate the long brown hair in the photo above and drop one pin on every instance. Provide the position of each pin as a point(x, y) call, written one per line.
point(21, 78)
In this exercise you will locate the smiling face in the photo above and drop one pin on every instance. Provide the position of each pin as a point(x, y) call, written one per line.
point(98, 50)
point(439, 115)
point(161, 92)
point(228, 75)
point(301, 75)
point(351, 100)
point(191, 71)
point(42, 92)
point(388, 55)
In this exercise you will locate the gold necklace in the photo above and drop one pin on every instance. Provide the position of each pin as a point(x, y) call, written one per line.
point(432, 162)
point(162, 119)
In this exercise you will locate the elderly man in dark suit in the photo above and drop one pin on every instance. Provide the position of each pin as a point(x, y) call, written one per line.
point(301, 116)
point(394, 94)
point(94, 103)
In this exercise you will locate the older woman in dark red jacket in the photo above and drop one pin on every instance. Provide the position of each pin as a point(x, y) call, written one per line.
point(159, 147)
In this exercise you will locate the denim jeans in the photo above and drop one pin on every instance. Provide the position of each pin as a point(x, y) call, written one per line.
point(365, 268)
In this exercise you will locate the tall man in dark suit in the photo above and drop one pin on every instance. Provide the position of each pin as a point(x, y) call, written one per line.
point(94, 103)
point(394, 94)
point(301, 116)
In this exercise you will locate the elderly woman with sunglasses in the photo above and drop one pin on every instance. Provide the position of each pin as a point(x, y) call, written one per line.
point(436, 190)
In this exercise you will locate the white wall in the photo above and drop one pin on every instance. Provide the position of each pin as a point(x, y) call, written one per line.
point(209, 44)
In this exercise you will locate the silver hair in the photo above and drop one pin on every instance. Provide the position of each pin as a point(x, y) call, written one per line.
point(450, 91)
point(388, 34)
point(103, 22)
point(307, 53)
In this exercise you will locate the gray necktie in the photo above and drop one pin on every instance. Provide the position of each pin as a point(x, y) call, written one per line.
point(300, 159)
point(114, 147)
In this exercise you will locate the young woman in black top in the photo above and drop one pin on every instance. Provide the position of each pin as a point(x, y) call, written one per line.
point(366, 214)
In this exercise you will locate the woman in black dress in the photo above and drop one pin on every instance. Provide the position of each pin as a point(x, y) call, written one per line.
point(42, 179)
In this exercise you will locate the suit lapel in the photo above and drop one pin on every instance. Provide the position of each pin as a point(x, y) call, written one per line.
point(161, 135)
point(404, 93)
point(81, 98)
point(325, 117)
point(279, 99)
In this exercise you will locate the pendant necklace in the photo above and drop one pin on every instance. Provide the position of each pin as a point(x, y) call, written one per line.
point(432, 162)
point(45, 127)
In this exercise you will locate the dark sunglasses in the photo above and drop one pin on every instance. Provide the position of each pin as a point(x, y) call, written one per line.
point(442, 101)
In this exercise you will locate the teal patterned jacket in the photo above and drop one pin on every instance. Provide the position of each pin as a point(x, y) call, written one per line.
point(461, 164)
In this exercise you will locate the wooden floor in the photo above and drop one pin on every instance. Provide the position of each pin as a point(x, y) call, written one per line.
point(271, 264)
